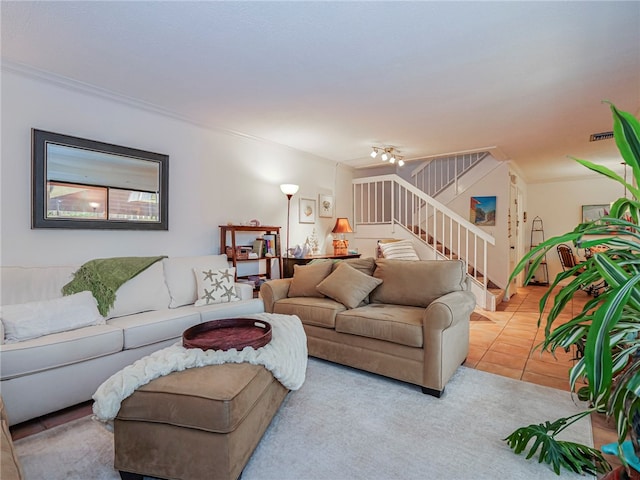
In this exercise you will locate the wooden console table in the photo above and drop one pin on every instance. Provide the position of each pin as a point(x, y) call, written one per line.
point(289, 262)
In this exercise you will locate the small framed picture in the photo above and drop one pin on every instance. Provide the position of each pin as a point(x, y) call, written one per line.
point(483, 211)
point(591, 213)
point(307, 212)
point(325, 205)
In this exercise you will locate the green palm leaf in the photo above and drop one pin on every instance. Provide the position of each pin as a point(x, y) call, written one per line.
point(607, 330)
point(626, 130)
point(608, 173)
point(598, 356)
point(557, 453)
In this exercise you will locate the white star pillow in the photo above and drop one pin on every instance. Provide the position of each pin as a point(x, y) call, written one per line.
point(215, 286)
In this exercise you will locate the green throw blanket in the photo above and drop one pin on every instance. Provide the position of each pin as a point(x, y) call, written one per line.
point(103, 277)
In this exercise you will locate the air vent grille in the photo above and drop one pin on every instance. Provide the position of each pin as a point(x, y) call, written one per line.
point(596, 137)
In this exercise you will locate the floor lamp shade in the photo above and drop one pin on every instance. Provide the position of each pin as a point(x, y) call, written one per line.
point(289, 189)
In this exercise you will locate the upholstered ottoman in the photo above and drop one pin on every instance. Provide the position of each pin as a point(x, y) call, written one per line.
point(201, 423)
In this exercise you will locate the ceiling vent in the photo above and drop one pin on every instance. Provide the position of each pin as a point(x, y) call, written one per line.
point(596, 137)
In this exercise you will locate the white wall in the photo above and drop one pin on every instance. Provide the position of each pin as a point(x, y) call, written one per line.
point(496, 183)
point(559, 205)
point(215, 177)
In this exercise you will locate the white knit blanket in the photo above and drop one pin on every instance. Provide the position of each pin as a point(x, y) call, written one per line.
point(285, 356)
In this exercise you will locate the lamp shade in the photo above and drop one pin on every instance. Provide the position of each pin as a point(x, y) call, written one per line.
point(342, 226)
point(289, 188)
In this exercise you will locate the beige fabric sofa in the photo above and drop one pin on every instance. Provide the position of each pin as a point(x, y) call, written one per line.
point(57, 370)
point(412, 326)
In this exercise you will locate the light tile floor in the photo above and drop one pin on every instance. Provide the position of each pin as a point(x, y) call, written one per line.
point(506, 343)
point(502, 342)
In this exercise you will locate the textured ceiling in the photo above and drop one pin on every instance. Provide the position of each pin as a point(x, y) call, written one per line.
point(335, 78)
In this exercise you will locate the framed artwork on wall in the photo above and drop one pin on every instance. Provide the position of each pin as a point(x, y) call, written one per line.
point(591, 213)
point(307, 213)
point(483, 211)
point(325, 205)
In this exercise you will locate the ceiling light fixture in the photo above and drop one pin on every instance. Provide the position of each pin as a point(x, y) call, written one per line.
point(389, 154)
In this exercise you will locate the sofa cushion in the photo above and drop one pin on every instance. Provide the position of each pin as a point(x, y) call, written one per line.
point(307, 277)
point(391, 323)
point(146, 291)
point(229, 310)
point(400, 250)
point(348, 285)
point(33, 284)
point(35, 319)
point(147, 328)
point(215, 285)
point(59, 349)
point(178, 272)
point(417, 283)
point(320, 312)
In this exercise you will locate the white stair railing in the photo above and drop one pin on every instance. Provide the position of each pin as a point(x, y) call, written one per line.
point(435, 175)
point(391, 200)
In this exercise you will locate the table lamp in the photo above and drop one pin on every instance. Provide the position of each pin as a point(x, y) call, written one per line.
point(340, 245)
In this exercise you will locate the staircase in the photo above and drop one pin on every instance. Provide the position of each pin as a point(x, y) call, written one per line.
point(391, 200)
point(436, 175)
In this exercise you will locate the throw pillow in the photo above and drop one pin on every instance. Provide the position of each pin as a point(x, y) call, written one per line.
point(178, 272)
point(401, 250)
point(25, 321)
point(348, 285)
point(215, 286)
point(33, 284)
point(307, 277)
point(144, 292)
point(366, 265)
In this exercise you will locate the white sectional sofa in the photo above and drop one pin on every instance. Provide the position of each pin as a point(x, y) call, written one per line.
point(57, 370)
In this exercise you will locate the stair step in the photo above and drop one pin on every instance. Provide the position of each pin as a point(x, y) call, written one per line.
point(498, 296)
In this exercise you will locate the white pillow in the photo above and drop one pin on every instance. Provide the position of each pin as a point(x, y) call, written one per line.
point(401, 250)
point(178, 273)
point(33, 284)
point(144, 292)
point(24, 321)
point(215, 286)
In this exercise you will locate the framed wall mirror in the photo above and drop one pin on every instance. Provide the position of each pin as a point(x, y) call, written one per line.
point(85, 184)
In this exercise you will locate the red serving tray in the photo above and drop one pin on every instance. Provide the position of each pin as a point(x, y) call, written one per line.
point(227, 334)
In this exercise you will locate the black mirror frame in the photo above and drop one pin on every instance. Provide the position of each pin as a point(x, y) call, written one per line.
point(40, 138)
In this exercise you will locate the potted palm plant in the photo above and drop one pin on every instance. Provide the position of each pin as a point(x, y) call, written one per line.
point(605, 333)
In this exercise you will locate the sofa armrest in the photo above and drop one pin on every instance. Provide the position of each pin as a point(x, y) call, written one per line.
point(445, 326)
point(244, 291)
point(274, 290)
point(448, 310)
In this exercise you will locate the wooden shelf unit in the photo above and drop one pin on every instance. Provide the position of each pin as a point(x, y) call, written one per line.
point(228, 238)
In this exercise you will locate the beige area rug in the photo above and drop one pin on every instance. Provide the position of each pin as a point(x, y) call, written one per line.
point(348, 424)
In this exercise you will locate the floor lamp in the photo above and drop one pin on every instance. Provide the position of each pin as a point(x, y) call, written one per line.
point(289, 190)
